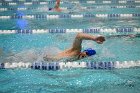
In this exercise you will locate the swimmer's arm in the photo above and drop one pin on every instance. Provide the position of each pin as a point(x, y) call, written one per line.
point(83, 36)
point(58, 2)
point(57, 6)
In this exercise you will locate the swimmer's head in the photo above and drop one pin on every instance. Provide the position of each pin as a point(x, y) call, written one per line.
point(90, 51)
point(86, 53)
point(50, 9)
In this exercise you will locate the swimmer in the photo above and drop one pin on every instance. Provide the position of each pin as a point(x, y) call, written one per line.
point(56, 8)
point(75, 50)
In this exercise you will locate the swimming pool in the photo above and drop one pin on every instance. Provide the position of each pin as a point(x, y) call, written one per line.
point(29, 31)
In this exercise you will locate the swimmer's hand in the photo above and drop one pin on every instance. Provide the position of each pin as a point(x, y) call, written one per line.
point(100, 39)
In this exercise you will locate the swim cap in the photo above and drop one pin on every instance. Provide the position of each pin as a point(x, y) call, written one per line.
point(50, 9)
point(90, 51)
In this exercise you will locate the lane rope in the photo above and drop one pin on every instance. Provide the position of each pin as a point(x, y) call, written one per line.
point(67, 65)
point(12, 2)
point(120, 30)
point(71, 16)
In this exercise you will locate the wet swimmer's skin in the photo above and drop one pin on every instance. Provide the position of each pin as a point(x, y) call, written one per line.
point(75, 50)
point(56, 8)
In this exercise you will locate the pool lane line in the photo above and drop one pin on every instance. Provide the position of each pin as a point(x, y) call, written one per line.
point(70, 16)
point(6, 3)
point(119, 30)
point(42, 65)
point(67, 8)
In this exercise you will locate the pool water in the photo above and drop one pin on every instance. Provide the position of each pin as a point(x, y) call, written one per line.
point(29, 48)
point(33, 47)
point(72, 80)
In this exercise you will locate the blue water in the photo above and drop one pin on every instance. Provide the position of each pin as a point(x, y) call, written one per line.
point(67, 81)
point(29, 48)
point(68, 23)
point(18, 47)
point(32, 47)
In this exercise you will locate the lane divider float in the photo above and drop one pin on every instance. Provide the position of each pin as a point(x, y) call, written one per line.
point(68, 65)
point(120, 30)
point(12, 2)
point(65, 8)
point(70, 16)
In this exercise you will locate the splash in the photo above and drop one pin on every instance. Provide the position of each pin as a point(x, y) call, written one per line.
point(107, 53)
point(31, 55)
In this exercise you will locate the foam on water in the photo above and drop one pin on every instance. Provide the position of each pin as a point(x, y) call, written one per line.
point(30, 55)
point(106, 53)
